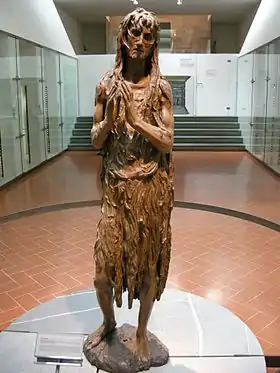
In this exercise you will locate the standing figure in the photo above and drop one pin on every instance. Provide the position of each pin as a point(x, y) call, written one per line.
point(133, 127)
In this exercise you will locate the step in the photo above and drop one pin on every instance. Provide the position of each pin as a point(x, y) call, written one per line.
point(81, 132)
point(179, 118)
point(207, 132)
point(192, 125)
point(200, 138)
point(186, 118)
point(206, 147)
point(85, 119)
point(80, 147)
point(80, 140)
point(208, 140)
point(185, 139)
point(204, 125)
point(212, 147)
point(192, 120)
point(84, 127)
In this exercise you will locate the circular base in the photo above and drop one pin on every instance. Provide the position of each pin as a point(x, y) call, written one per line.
point(189, 325)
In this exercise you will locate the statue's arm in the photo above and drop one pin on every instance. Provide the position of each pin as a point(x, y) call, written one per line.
point(161, 136)
point(101, 127)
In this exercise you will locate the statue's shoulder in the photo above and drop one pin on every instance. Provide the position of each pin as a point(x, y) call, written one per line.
point(107, 77)
point(165, 88)
point(102, 85)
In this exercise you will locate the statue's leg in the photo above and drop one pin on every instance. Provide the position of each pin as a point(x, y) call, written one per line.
point(104, 294)
point(147, 296)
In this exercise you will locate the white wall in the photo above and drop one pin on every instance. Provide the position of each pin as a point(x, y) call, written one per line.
point(245, 26)
point(216, 92)
point(211, 89)
point(37, 21)
point(265, 26)
point(90, 71)
point(73, 29)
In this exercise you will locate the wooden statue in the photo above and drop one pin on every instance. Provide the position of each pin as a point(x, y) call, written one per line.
point(133, 125)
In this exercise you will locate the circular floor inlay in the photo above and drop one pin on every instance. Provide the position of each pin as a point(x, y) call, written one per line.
point(231, 261)
point(189, 325)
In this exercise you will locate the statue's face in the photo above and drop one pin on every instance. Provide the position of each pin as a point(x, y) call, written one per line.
point(140, 41)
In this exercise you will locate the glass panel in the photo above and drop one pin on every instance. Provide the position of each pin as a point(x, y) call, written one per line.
point(262, 99)
point(52, 103)
point(10, 151)
point(31, 104)
point(272, 136)
point(69, 97)
point(260, 88)
point(244, 100)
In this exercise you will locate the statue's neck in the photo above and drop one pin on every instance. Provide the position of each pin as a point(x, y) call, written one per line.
point(134, 70)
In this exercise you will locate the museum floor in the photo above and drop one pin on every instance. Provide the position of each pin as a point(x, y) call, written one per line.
point(226, 244)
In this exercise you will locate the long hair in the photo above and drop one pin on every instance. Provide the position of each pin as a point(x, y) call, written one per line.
point(145, 19)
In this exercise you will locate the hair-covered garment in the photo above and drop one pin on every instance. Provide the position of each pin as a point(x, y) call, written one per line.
point(134, 233)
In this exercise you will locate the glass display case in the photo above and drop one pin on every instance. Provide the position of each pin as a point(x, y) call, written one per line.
point(259, 103)
point(38, 106)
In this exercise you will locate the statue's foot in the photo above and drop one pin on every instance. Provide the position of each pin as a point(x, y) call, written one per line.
point(96, 337)
point(143, 353)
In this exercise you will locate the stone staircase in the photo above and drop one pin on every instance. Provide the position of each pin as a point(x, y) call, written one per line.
point(190, 133)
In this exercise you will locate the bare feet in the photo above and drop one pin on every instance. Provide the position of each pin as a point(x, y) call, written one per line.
point(96, 337)
point(143, 353)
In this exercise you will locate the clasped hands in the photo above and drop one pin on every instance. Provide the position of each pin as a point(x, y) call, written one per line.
point(121, 90)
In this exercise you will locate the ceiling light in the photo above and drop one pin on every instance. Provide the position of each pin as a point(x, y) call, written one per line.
point(179, 2)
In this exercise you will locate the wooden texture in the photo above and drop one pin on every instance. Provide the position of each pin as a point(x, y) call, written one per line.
point(133, 128)
point(121, 343)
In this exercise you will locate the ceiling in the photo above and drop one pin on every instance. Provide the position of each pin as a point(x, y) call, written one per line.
point(224, 11)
